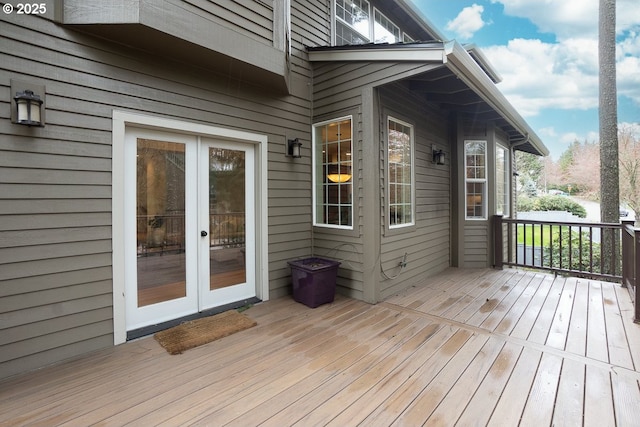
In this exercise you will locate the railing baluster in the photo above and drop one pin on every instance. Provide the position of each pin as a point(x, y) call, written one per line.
point(590, 249)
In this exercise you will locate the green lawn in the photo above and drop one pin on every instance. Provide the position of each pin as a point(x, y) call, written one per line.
point(535, 235)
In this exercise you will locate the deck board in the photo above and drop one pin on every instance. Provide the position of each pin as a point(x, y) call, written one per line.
point(467, 347)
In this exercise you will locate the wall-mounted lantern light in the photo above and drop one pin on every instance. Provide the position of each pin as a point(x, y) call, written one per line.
point(293, 148)
point(438, 156)
point(29, 104)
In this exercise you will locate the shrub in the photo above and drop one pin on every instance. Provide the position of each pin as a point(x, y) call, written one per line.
point(551, 203)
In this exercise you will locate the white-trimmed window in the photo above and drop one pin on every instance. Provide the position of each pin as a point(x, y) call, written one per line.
point(400, 173)
point(354, 24)
point(475, 165)
point(332, 177)
point(385, 31)
point(502, 181)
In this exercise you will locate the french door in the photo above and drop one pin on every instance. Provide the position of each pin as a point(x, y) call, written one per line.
point(189, 225)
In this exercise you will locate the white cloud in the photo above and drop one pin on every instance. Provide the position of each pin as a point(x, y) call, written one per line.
point(468, 21)
point(537, 75)
point(570, 18)
point(563, 75)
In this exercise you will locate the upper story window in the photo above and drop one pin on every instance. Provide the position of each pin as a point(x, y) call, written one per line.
point(475, 165)
point(502, 181)
point(400, 182)
point(353, 24)
point(332, 173)
point(385, 31)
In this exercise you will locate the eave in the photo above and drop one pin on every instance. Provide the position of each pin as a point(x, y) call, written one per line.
point(462, 84)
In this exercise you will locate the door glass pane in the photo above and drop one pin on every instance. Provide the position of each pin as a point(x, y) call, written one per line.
point(226, 217)
point(160, 207)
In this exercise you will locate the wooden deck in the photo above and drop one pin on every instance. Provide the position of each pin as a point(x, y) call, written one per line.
point(470, 347)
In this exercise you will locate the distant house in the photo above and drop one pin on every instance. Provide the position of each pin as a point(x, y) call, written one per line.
point(165, 180)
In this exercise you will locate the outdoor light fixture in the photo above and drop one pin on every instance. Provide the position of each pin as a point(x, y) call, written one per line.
point(28, 108)
point(30, 103)
point(438, 156)
point(293, 148)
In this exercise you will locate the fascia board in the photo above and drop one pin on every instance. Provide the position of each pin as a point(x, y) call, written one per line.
point(461, 63)
point(377, 55)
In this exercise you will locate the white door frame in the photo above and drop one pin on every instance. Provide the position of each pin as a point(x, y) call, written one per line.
point(121, 120)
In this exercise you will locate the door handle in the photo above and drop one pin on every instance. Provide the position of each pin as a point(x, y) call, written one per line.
point(203, 233)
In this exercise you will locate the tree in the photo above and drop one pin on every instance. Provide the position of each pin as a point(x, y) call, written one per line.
point(608, 121)
point(630, 169)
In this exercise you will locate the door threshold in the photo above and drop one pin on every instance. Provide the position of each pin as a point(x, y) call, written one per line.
point(152, 329)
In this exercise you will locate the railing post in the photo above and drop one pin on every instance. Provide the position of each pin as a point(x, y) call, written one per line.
point(636, 273)
point(498, 242)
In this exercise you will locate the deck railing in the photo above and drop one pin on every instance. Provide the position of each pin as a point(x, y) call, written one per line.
point(573, 248)
point(631, 263)
point(163, 233)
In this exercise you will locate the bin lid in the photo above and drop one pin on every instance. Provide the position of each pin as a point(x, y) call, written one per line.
point(314, 263)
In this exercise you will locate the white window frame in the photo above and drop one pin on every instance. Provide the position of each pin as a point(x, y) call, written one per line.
point(475, 180)
point(372, 13)
point(505, 200)
point(319, 184)
point(412, 177)
point(337, 19)
point(376, 13)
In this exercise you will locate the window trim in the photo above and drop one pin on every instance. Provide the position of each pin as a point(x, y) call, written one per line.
point(507, 181)
point(476, 180)
point(388, 224)
point(314, 183)
point(404, 37)
point(373, 24)
point(337, 19)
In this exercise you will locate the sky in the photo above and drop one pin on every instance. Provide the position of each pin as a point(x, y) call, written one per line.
point(546, 52)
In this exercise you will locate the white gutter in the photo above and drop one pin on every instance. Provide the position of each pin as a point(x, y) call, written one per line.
point(393, 53)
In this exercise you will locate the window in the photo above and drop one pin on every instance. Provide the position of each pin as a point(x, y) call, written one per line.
point(353, 25)
point(502, 181)
point(400, 180)
point(475, 164)
point(332, 178)
point(352, 22)
point(385, 31)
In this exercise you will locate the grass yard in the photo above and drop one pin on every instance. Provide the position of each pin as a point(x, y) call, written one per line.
point(536, 234)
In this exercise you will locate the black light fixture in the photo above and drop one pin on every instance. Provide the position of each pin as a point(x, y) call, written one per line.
point(293, 148)
point(438, 156)
point(28, 108)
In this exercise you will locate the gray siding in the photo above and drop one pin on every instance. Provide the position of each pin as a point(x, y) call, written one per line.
point(427, 243)
point(55, 182)
point(338, 91)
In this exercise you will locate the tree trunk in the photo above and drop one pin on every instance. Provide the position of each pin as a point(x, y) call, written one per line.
point(608, 117)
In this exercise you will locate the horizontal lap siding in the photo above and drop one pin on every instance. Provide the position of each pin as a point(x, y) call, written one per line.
point(55, 182)
point(477, 245)
point(248, 17)
point(338, 91)
point(427, 243)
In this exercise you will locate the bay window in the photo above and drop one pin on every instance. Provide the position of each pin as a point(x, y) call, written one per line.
point(475, 165)
point(400, 174)
point(502, 181)
point(332, 176)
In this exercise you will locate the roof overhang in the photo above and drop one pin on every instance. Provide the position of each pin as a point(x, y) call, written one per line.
point(458, 61)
